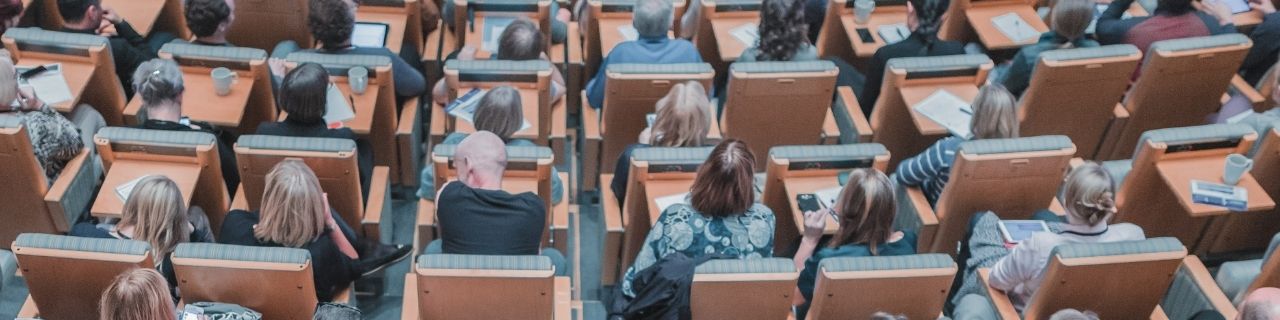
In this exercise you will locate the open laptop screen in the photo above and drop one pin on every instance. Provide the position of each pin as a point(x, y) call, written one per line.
point(370, 34)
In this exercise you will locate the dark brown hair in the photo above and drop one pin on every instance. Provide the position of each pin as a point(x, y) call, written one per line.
point(724, 185)
point(331, 22)
point(866, 209)
point(304, 92)
point(204, 16)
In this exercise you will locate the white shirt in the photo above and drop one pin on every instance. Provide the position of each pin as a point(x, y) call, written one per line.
point(1019, 274)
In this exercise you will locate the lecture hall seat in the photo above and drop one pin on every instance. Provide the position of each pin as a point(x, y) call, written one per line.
point(86, 62)
point(453, 286)
point(141, 147)
point(1075, 92)
point(916, 286)
point(66, 276)
point(655, 172)
point(32, 203)
point(809, 169)
point(772, 103)
point(1238, 278)
point(907, 82)
point(752, 288)
point(274, 281)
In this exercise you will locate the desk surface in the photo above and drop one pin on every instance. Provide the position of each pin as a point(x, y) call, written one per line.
point(396, 21)
point(141, 14)
point(802, 185)
point(77, 74)
point(364, 106)
point(201, 103)
point(1177, 175)
point(109, 205)
point(868, 49)
point(655, 189)
point(730, 47)
point(914, 94)
point(980, 18)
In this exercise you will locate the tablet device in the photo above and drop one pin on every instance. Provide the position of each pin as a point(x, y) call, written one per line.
point(1015, 231)
point(370, 35)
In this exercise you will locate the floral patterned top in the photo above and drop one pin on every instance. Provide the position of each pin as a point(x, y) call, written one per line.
point(680, 228)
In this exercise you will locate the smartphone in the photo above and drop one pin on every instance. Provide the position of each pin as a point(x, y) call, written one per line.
point(865, 35)
point(1016, 231)
point(808, 202)
point(33, 72)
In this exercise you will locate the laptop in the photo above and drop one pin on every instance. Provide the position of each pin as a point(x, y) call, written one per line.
point(370, 35)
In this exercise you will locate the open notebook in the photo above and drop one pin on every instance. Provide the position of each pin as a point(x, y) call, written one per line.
point(337, 107)
point(746, 33)
point(949, 111)
point(49, 85)
point(1012, 26)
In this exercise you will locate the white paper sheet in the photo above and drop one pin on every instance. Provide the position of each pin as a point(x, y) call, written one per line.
point(125, 189)
point(493, 27)
point(892, 33)
point(50, 86)
point(337, 106)
point(667, 201)
point(827, 197)
point(1012, 26)
point(746, 33)
point(948, 111)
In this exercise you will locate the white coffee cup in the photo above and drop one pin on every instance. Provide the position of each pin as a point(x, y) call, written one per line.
point(1237, 165)
point(862, 10)
point(358, 78)
point(222, 80)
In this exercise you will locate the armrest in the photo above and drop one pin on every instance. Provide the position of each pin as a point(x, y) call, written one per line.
point(409, 310)
point(425, 226)
point(409, 140)
point(999, 300)
point(563, 299)
point(1194, 271)
point(1244, 89)
point(614, 224)
point(593, 142)
point(72, 193)
point(239, 202)
point(914, 212)
point(591, 121)
point(847, 99)
point(29, 310)
point(379, 204)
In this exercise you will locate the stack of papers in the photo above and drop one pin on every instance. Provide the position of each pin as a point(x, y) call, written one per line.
point(50, 86)
point(827, 197)
point(747, 33)
point(667, 201)
point(948, 111)
point(1231, 197)
point(892, 33)
point(464, 107)
point(125, 189)
point(338, 107)
point(493, 27)
point(1012, 26)
point(628, 32)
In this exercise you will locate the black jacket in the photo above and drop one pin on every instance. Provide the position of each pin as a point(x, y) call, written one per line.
point(292, 128)
point(1266, 46)
point(129, 50)
point(226, 154)
point(662, 289)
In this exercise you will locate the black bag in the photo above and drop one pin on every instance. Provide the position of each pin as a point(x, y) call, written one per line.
point(662, 290)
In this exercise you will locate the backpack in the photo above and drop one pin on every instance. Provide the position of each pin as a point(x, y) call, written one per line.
point(222, 311)
point(662, 289)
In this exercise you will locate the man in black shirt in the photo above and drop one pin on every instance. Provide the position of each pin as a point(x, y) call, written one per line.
point(128, 48)
point(477, 217)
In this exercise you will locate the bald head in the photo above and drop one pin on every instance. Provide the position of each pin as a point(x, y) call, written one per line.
point(1261, 304)
point(480, 160)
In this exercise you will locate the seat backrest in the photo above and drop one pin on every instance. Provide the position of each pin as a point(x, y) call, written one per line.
point(274, 281)
point(333, 161)
point(264, 23)
point(1182, 82)
point(537, 10)
point(1251, 231)
point(1118, 280)
point(1193, 291)
point(759, 288)
point(1158, 213)
point(103, 89)
point(1011, 177)
point(857, 287)
point(1053, 104)
point(454, 286)
point(763, 97)
point(531, 77)
point(196, 147)
point(892, 121)
point(246, 62)
point(1270, 272)
point(819, 161)
point(654, 166)
point(631, 92)
point(67, 275)
point(24, 210)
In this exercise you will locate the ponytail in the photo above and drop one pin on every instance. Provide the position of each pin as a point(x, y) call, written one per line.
point(929, 17)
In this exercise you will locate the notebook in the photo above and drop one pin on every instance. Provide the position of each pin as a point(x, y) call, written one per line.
point(125, 189)
point(1012, 26)
point(493, 27)
point(337, 108)
point(947, 110)
point(892, 33)
point(746, 33)
point(464, 107)
point(628, 32)
point(1233, 198)
point(667, 201)
point(370, 34)
point(50, 86)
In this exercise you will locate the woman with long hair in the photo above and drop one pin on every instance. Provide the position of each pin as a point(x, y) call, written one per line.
point(1068, 21)
point(783, 34)
point(683, 119)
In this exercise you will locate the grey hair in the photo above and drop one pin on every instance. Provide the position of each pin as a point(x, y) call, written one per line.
point(158, 80)
point(652, 18)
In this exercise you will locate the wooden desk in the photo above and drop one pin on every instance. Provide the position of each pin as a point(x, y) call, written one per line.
point(864, 49)
point(1247, 19)
point(141, 14)
point(730, 47)
point(609, 35)
point(1177, 175)
point(980, 18)
point(655, 189)
point(364, 107)
point(77, 74)
point(396, 21)
point(801, 185)
point(109, 205)
point(914, 94)
point(201, 103)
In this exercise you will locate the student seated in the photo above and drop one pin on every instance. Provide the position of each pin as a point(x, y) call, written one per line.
point(652, 20)
point(154, 213)
point(720, 215)
point(159, 85)
point(1266, 43)
point(210, 20)
point(1068, 21)
point(1172, 19)
point(303, 94)
point(783, 34)
point(683, 119)
point(331, 23)
point(296, 214)
point(520, 41)
point(54, 139)
point(138, 294)
point(1088, 195)
point(994, 117)
point(924, 18)
point(498, 112)
point(866, 208)
point(128, 48)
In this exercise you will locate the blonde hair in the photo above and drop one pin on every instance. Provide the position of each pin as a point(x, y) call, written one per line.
point(293, 212)
point(1089, 194)
point(994, 114)
point(683, 117)
point(138, 294)
point(156, 212)
point(867, 207)
point(1071, 18)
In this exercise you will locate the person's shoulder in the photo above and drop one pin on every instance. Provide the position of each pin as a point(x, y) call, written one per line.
point(758, 210)
point(1127, 231)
